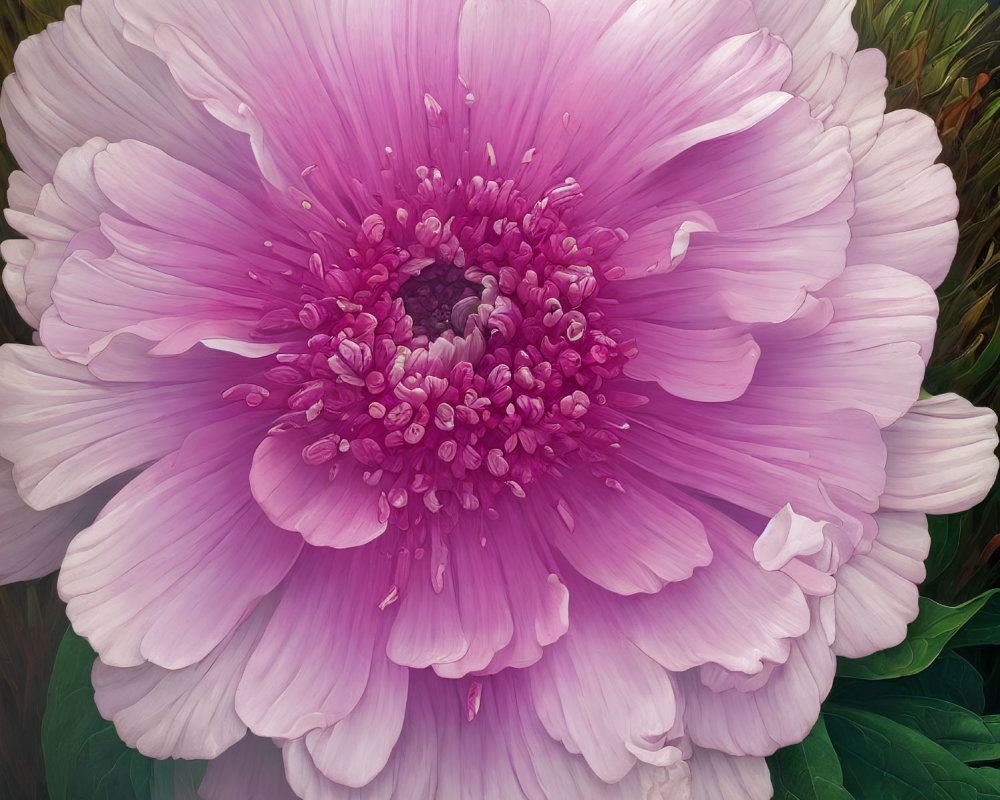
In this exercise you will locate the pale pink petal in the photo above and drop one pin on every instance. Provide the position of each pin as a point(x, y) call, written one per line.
point(184, 713)
point(864, 345)
point(33, 543)
point(941, 456)
point(353, 751)
point(311, 667)
point(860, 103)
point(602, 697)
point(79, 79)
point(91, 430)
point(757, 721)
point(816, 30)
point(249, 770)
point(734, 613)
point(63, 217)
point(765, 200)
point(876, 596)
point(719, 776)
point(329, 504)
point(760, 450)
point(178, 557)
point(502, 753)
point(906, 204)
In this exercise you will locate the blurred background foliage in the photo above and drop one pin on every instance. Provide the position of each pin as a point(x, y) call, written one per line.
point(918, 721)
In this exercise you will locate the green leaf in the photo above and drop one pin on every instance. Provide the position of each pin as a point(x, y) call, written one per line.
point(887, 760)
point(809, 770)
point(84, 758)
point(926, 637)
point(946, 537)
point(964, 734)
point(983, 628)
point(950, 678)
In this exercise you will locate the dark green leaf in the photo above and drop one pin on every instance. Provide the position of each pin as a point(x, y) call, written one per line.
point(965, 735)
point(926, 637)
point(983, 628)
point(949, 678)
point(885, 760)
point(809, 770)
point(84, 758)
point(946, 536)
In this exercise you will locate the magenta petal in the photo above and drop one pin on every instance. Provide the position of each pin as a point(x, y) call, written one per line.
point(178, 558)
point(711, 365)
point(428, 628)
point(628, 536)
point(329, 504)
point(310, 669)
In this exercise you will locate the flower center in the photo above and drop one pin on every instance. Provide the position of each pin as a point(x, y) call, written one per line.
point(439, 298)
point(458, 349)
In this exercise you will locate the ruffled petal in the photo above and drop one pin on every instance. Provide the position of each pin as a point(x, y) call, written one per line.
point(863, 345)
point(428, 629)
point(604, 698)
point(860, 103)
point(483, 745)
point(311, 666)
point(184, 713)
point(719, 776)
point(906, 204)
point(941, 456)
point(63, 216)
point(761, 450)
point(353, 751)
point(33, 543)
point(341, 55)
point(757, 720)
point(156, 292)
point(67, 431)
point(778, 199)
point(734, 613)
point(79, 79)
point(818, 32)
point(876, 595)
point(178, 557)
point(654, 541)
point(711, 365)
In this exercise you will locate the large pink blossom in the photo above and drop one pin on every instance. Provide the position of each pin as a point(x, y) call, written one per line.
point(478, 399)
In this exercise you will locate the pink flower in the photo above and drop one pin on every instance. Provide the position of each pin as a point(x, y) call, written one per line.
point(513, 399)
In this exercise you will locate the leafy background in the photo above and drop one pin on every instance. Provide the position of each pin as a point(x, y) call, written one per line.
point(921, 720)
